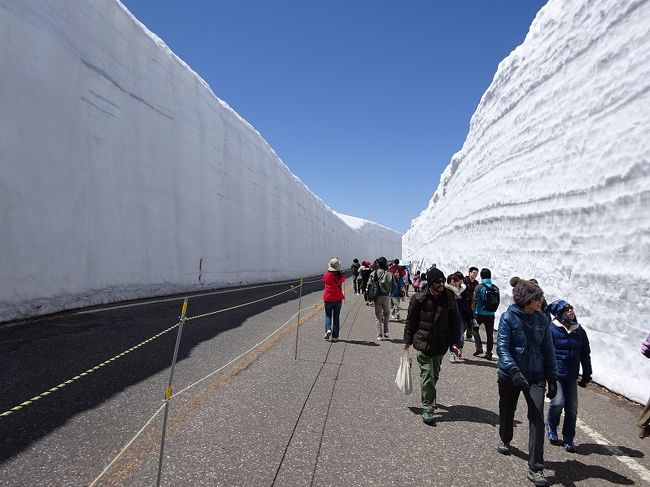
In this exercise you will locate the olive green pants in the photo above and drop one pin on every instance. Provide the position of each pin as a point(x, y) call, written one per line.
point(429, 373)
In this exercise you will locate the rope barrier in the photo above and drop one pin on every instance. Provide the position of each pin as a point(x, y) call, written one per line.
point(194, 384)
point(63, 384)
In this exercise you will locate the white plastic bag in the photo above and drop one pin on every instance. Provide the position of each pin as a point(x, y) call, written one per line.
point(403, 378)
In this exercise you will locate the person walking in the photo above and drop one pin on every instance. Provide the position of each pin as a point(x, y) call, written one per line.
point(355, 275)
point(643, 424)
point(432, 327)
point(468, 296)
point(526, 363)
point(333, 298)
point(454, 283)
point(364, 274)
point(382, 309)
point(486, 302)
point(571, 350)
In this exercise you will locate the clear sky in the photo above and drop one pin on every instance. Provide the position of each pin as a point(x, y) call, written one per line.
point(364, 100)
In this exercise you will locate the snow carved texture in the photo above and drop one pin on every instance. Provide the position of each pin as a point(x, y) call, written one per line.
point(553, 180)
point(124, 176)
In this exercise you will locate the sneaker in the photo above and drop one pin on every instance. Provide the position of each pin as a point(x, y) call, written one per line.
point(478, 352)
point(469, 338)
point(380, 338)
point(537, 477)
point(504, 448)
point(488, 356)
point(427, 418)
point(328, 334)
point(334, 340)
point(452, 358)
point(551, 433)
point(386, 336)
point(569, 446)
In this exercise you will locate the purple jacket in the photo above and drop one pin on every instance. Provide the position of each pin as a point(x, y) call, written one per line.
point(645, 346)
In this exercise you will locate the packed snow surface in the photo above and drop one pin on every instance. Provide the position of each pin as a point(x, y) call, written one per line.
point(553, 180)
point(123, 175)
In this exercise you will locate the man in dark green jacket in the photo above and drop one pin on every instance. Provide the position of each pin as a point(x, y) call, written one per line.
point(433, 326)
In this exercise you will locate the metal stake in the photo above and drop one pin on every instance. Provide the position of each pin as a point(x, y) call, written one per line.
point(295, 354)
point(168, 391)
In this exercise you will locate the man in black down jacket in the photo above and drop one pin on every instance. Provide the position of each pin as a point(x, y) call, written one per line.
point(432, 327)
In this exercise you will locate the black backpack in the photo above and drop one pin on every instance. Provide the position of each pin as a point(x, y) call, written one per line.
point(491, 298)
point(373, 288)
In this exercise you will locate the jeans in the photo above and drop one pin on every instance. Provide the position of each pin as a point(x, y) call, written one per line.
point(332, 313)
point(429, 373)
point(567, 399)
point(488, 321)
point(508, 396)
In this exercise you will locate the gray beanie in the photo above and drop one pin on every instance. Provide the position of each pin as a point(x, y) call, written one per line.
point(525, 291)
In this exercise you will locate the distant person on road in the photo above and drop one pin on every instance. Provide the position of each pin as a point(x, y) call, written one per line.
point(364, 274)
point(526, 363)
point(355, 274)
point(571, 350)
point(432, 327)
point(333, 298)
point(486, 302)
point(468, 296)
point(454, 283)
point(643, 424)
point(382, 309)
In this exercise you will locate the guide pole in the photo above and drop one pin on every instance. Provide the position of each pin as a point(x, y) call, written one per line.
point(168, 391)
point(295, 354)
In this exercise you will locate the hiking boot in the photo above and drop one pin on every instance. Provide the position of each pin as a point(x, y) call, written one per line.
point(551, 433)
point(569, 446)
point(537, 477)
point(478, 352)
point(334, 340)
point(488, 356)
point(427, 418)
point(386, 336)
point(503, 448)
point(328, 334)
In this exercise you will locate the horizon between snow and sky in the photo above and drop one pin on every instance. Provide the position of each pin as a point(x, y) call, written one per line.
point(350, 93)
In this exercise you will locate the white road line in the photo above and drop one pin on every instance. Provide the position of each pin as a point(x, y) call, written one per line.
point(616, 452)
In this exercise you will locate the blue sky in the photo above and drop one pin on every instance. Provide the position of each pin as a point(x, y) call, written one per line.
point(364, 100)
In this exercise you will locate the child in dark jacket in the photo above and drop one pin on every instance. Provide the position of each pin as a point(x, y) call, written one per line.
point(571, 350)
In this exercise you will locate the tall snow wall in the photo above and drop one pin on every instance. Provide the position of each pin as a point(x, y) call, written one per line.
point(123, 175)
point(553, 180)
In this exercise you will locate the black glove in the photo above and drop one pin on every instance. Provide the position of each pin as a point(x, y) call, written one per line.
point(519, 381)
point(552, 389)
point(584, 381)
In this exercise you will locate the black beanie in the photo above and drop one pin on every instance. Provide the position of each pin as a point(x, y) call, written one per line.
point(433, 274)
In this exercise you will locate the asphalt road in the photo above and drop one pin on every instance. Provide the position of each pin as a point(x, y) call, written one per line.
point(107, 405)
point(331, 418)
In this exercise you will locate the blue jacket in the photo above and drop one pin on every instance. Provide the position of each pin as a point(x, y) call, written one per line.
point(571, 350)
point(478, 298)
point(524, 343)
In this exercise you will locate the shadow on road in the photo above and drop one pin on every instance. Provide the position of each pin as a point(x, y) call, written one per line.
point(367, 343)
point(596, 449)
point(480, 362)
point(37, 356)
point(460, 412)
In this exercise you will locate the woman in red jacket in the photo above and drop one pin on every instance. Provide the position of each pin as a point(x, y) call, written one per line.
point(333, 298)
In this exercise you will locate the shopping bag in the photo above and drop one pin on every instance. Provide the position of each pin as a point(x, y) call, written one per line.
point(403, 378)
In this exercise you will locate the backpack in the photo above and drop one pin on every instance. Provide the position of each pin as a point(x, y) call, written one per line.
point(491, 298)
point(373, 288)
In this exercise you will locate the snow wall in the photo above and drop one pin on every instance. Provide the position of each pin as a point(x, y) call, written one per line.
point(124, 176)
point(553, 180)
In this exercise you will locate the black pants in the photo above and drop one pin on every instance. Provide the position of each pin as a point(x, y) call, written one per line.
point(488, 321)
point(355, 283)
point(508, 397)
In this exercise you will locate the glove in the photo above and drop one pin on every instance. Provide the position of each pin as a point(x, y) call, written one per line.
point(552, 389)
point(519, 381)
point(584, 381)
